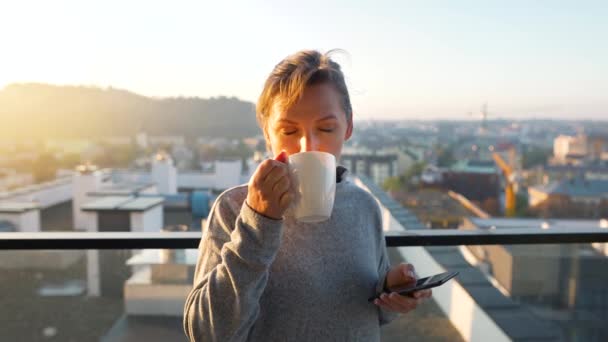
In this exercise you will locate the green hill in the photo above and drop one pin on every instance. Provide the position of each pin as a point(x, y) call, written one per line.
point(35, 111)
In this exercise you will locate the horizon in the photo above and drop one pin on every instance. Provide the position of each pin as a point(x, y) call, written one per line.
point(437, 60)
point(416, 118)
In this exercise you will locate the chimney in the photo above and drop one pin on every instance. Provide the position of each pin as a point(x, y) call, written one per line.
point(164, 174)
point(173, 268)
point(168, 255)
point(86, 179)
point(228, 173)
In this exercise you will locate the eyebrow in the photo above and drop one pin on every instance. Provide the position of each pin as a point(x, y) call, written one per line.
point(327, 117)
point(287, 121)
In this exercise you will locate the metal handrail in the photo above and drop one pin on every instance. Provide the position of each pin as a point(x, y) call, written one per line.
point(177, 240)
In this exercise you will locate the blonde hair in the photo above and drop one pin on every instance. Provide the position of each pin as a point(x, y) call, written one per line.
point(288, 80)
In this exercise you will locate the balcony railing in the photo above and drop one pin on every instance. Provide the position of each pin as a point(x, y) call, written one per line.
point(437, 237)
point(479, 304)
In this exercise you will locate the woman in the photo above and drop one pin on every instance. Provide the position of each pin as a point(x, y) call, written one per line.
point(263, 276)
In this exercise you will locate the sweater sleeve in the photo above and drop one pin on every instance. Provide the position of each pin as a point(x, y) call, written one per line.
point(235, 254)
point(384, 265)
point(385, 316)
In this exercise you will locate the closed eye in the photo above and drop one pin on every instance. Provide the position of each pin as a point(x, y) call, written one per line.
point(289, 132)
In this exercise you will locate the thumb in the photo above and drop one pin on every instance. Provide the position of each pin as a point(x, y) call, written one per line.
point(400, 276)
point(408, 272)
point(282, 157)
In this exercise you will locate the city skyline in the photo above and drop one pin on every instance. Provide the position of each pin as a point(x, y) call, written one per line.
point(431, 60)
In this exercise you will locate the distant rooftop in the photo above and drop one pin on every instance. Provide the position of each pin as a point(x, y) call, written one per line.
point(594, 166)
point(6, 226)
point(499, 223)
point(17, 207)
point(122, 189)
point(514, 319)
point(401, 214)
point(36, 187)
point(576, 187)
point(126, 203)
point(474, 166)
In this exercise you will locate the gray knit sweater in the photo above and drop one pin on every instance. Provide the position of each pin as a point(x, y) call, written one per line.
point(259, 279)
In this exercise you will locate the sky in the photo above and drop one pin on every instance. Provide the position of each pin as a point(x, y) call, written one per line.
point(405, 59)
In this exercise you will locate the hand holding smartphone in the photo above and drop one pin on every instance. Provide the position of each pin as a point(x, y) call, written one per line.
point(422, 284)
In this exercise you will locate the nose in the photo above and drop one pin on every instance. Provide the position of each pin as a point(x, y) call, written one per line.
point(308, 143)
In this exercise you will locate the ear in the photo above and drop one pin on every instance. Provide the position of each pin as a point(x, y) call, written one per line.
point(349, 130)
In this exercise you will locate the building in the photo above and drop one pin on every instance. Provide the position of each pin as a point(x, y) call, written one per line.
point(163, 140)
point(20, 216)
point(576, 197)
point(494, 315)
point(59, 202)
point(591, 170)
point(478, 181)
point(376, 167)
point(11, 179)
point(580, 149)
point(565, 284)
point(117, 140)
point(146, 289)
point(569, 150)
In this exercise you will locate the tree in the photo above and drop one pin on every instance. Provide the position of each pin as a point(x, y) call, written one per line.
point(44, 168)
point(69, 161)
point(445, 156)
point(393, 183)
point(405, 181)
point(521, 205)
point(534, 156)
point(115, 156)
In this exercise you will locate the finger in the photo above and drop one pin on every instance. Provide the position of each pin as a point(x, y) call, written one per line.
point(403, 275)
point(423, 294)
point(275, 174)
point(384, 306)
point(262, 171)
point(281, 185)
point(399, 304)
point(387, 303)
point(282, 157)
point(379, 302)
point(285, 200)
point(408, 270)
point(403, 303)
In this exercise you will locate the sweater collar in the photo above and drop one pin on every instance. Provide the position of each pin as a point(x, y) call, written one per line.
point(341, 173)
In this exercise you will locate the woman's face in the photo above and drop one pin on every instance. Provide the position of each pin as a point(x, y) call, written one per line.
point(316, 122)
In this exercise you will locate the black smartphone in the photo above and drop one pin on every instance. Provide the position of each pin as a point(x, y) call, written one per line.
point(422, 284)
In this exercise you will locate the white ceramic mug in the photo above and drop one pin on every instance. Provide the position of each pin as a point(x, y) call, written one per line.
point(313, 175)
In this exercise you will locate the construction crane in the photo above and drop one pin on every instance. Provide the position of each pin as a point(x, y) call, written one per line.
point(483, 128)
point(484, 118)
point(509, 174)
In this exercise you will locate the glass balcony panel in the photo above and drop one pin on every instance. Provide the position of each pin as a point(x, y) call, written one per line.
point(519, 292)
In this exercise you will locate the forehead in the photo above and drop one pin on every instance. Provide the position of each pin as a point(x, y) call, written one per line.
point(317, 102)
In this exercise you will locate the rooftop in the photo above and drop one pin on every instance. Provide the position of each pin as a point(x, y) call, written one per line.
point(475, 166)
point(125, 203)
point(498, 223)
point(576, 187)
point(514, 319)
point(122, 189)
point(17, 207)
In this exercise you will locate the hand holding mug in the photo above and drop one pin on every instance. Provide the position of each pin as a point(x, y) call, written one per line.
point(269, 190)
